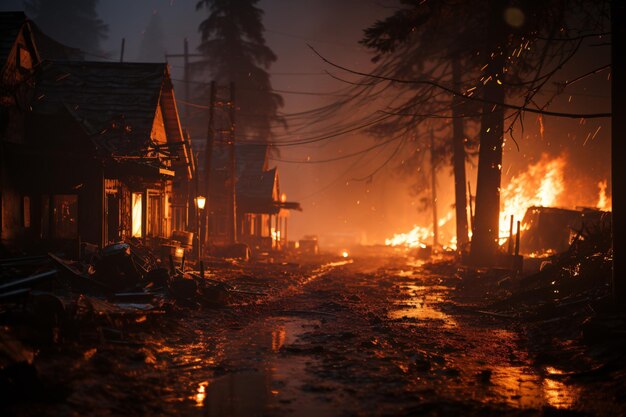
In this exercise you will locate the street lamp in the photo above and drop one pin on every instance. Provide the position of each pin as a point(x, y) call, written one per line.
point(200, 202)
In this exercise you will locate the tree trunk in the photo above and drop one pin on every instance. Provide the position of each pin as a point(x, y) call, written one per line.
point(486, 221)
point(458, 142)
point(433, 178)
point(618, 148)
point(233, 168)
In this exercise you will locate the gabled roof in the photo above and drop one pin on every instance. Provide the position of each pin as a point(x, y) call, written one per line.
point(11, 23)
point(250, 159)
point(259, 186)
point(10, 26)
point(116, 103)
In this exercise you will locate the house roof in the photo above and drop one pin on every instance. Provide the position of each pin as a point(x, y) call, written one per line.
point(258, 186)
point(250, 158)
point(10, 26)
point(114, 102)
point(255, 192)
point(11, 23)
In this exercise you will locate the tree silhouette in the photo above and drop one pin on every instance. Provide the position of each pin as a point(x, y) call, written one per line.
point(235, 51)
point(500, 48)
point(152, 47)
point(72, 22)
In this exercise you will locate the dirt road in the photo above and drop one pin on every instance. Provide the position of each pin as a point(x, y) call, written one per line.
point(366, 337)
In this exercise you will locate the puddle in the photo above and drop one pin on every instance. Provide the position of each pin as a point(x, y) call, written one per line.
point(422, 305)
point(266, 386)
point(525, 388)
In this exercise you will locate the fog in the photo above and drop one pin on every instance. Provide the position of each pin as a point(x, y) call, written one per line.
point(335, 202)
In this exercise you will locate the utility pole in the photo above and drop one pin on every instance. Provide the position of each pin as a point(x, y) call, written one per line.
point(434, 191)
point(233, 166)
point(122, 51)
point(186, 78)
point(186, 74)
point(471, 210)
point(618, 147)
point(208, 157)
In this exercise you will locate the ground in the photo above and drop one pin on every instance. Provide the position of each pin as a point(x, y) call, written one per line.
point(357, 337)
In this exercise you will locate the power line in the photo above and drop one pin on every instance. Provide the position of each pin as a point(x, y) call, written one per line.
point(270, 73)
point(304, 38)
point(339, 158)
point(311, 93)
point(311, 139)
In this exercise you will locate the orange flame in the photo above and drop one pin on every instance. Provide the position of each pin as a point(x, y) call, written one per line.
point(419, 236)
point(604, 201)
point(540, 185)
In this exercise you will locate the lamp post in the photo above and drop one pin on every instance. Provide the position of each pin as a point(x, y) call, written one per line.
point(200, 202)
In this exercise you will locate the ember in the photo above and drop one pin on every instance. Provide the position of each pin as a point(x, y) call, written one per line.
point(312, 208)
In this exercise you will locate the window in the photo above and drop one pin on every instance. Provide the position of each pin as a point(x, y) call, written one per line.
point(26, 211)
point(24, 59)
point(137, 208)
point(155, 215)
point(65, 216)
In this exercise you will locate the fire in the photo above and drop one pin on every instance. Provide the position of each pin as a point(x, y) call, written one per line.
point(413, 239)
point(604, 202)
point(345, 254)
point(541, 185)
point(419, 235)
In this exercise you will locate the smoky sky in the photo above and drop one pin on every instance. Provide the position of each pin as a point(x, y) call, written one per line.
point(334, 203)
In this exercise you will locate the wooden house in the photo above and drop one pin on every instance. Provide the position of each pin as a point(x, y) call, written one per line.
point(262, 210)
point(23, 47)
point(104, 157)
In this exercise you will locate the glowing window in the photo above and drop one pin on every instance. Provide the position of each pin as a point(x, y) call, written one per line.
point(137, 211)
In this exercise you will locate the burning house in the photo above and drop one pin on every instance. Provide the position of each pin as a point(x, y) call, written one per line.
point(97, 153)
point(549, 230)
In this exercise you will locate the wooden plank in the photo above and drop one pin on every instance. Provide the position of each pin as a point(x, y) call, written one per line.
point(28, 280)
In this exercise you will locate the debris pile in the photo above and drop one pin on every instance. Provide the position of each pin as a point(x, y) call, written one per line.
point(46, 300)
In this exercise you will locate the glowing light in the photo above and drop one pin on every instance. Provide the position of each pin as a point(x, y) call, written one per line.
point(540, 185)
point(201, 394)
point(283, 197)
point(412, 239)
point(418, 236)
point(604, 202)
point(136, 214)
point(514, 17)
point(200, 202)
point(345, 254)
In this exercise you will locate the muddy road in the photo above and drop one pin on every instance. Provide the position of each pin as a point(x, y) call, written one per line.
point(364, 337)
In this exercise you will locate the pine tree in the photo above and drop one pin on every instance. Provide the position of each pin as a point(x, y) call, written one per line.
point(235, 51)
point(152, 47)
point(72, 22)
point(487, 39)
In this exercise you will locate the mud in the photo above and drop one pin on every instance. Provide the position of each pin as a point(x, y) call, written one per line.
point(364, 338)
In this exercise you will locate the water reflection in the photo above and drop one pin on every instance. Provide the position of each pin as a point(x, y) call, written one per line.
point(422, 303)
point(261, 388)
point(278, 338)
point(525, 388)
point(560, 395)
point(201, 394)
